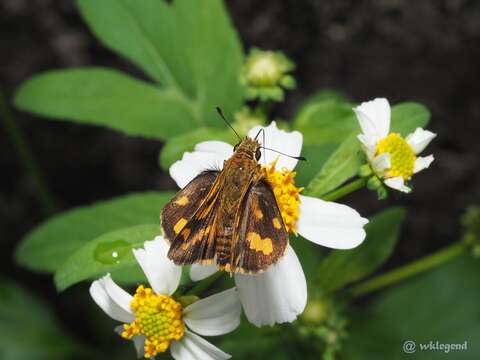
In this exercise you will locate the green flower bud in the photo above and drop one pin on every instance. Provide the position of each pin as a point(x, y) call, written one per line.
point(265, 75)
point(365, 171)
point(315, 312)
point(374, 183)
point(246, 118)
point(323, 325)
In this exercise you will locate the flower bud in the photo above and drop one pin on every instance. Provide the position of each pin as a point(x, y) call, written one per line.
point(266, 75)
point(246, 119)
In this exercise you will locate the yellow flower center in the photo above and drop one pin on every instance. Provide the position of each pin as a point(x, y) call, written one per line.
point(286, 194)
point(158, 318)
point(402, 156)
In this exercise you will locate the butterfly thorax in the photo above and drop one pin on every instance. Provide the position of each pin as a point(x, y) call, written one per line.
point(240, 172)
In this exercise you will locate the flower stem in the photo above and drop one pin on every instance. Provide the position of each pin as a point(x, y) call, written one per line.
point(25, 155)
point(404, 272)
point(345, 189)
point(205, 284)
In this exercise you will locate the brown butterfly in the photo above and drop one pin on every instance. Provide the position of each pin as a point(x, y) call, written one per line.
point(229, 217)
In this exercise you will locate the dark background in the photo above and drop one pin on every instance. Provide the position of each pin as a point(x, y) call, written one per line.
point(426, 51)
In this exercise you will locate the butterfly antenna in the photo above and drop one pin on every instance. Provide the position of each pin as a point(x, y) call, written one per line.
point(220, 112)
point(281, 153)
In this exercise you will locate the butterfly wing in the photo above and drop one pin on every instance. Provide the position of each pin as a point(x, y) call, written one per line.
point(188, 220)
point(260, 236)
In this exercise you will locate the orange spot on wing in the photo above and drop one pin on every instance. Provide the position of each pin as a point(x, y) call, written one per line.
point(179, 225)
point(196, 237)
point(276, 223)
point(182, 201)
point(186, 233)
point(258, 214)
point(264, 245)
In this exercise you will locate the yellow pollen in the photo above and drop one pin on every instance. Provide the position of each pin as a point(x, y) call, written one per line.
point(158, 318)
point(402, 156)
point(286, 194)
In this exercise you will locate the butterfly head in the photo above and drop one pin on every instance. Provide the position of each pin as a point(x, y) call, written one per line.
point(249, 148)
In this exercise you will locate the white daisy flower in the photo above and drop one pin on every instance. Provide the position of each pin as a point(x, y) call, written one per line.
point(156, 321)
point(392, 158)
point(279, 294)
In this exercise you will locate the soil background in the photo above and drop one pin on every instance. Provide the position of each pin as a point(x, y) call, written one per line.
point(426, 51)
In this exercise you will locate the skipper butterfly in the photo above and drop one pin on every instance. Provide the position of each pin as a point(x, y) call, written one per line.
point(228, 217)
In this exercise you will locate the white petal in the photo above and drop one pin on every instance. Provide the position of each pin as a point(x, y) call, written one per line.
point(422, 163)
point(419, 139)
point(369, 145)
point(192, 164)
point(139, 343)
point(289, 143)
point(275, 296)
point(162, 274)
point(117, 294)
point(215, 315)
point(374, 119)
point(397, 183)
point(193, 347)
point(330, 224)
point(221, 148)
point(381, 163)
point(107, 304)
point(199, 272)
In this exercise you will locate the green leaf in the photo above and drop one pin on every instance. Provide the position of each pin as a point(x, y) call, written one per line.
point(342, 267)
point(51, 243)
point(28, 329)
point(326, 121)
point(109, 98)
point(441, 305)
point(107, 253)
point(185, 45)
point(340, 166)
point(267, 344)
point(176, 146)
point(407, 116)
point(316, 156)
point(324, 95)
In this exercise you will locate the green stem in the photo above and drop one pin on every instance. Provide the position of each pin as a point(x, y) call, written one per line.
point(345, 189)
point(404, 272)
point(25, 155)
point(205, 284)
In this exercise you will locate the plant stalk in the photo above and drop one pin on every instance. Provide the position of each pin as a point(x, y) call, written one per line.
point(204, 284)
point(345, 189)
point(25, 155)
point(404, 272)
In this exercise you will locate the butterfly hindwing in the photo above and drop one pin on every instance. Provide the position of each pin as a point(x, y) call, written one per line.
point(261, 238)
point(178, 211)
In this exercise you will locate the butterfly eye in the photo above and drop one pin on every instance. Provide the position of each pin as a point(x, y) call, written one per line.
point(258, 154)
point(235, 147)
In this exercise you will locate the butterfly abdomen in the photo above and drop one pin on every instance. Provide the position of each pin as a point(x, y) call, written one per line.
point(224, 247)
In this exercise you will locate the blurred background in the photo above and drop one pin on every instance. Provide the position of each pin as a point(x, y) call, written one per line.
point(427, 51)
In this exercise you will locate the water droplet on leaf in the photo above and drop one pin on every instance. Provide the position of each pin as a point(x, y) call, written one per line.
point(111, 252)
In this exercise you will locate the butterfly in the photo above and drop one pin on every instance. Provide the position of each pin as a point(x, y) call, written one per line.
point(228, 217)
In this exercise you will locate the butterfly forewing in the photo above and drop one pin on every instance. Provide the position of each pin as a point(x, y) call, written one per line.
point(181, 209)
point(260, 239)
